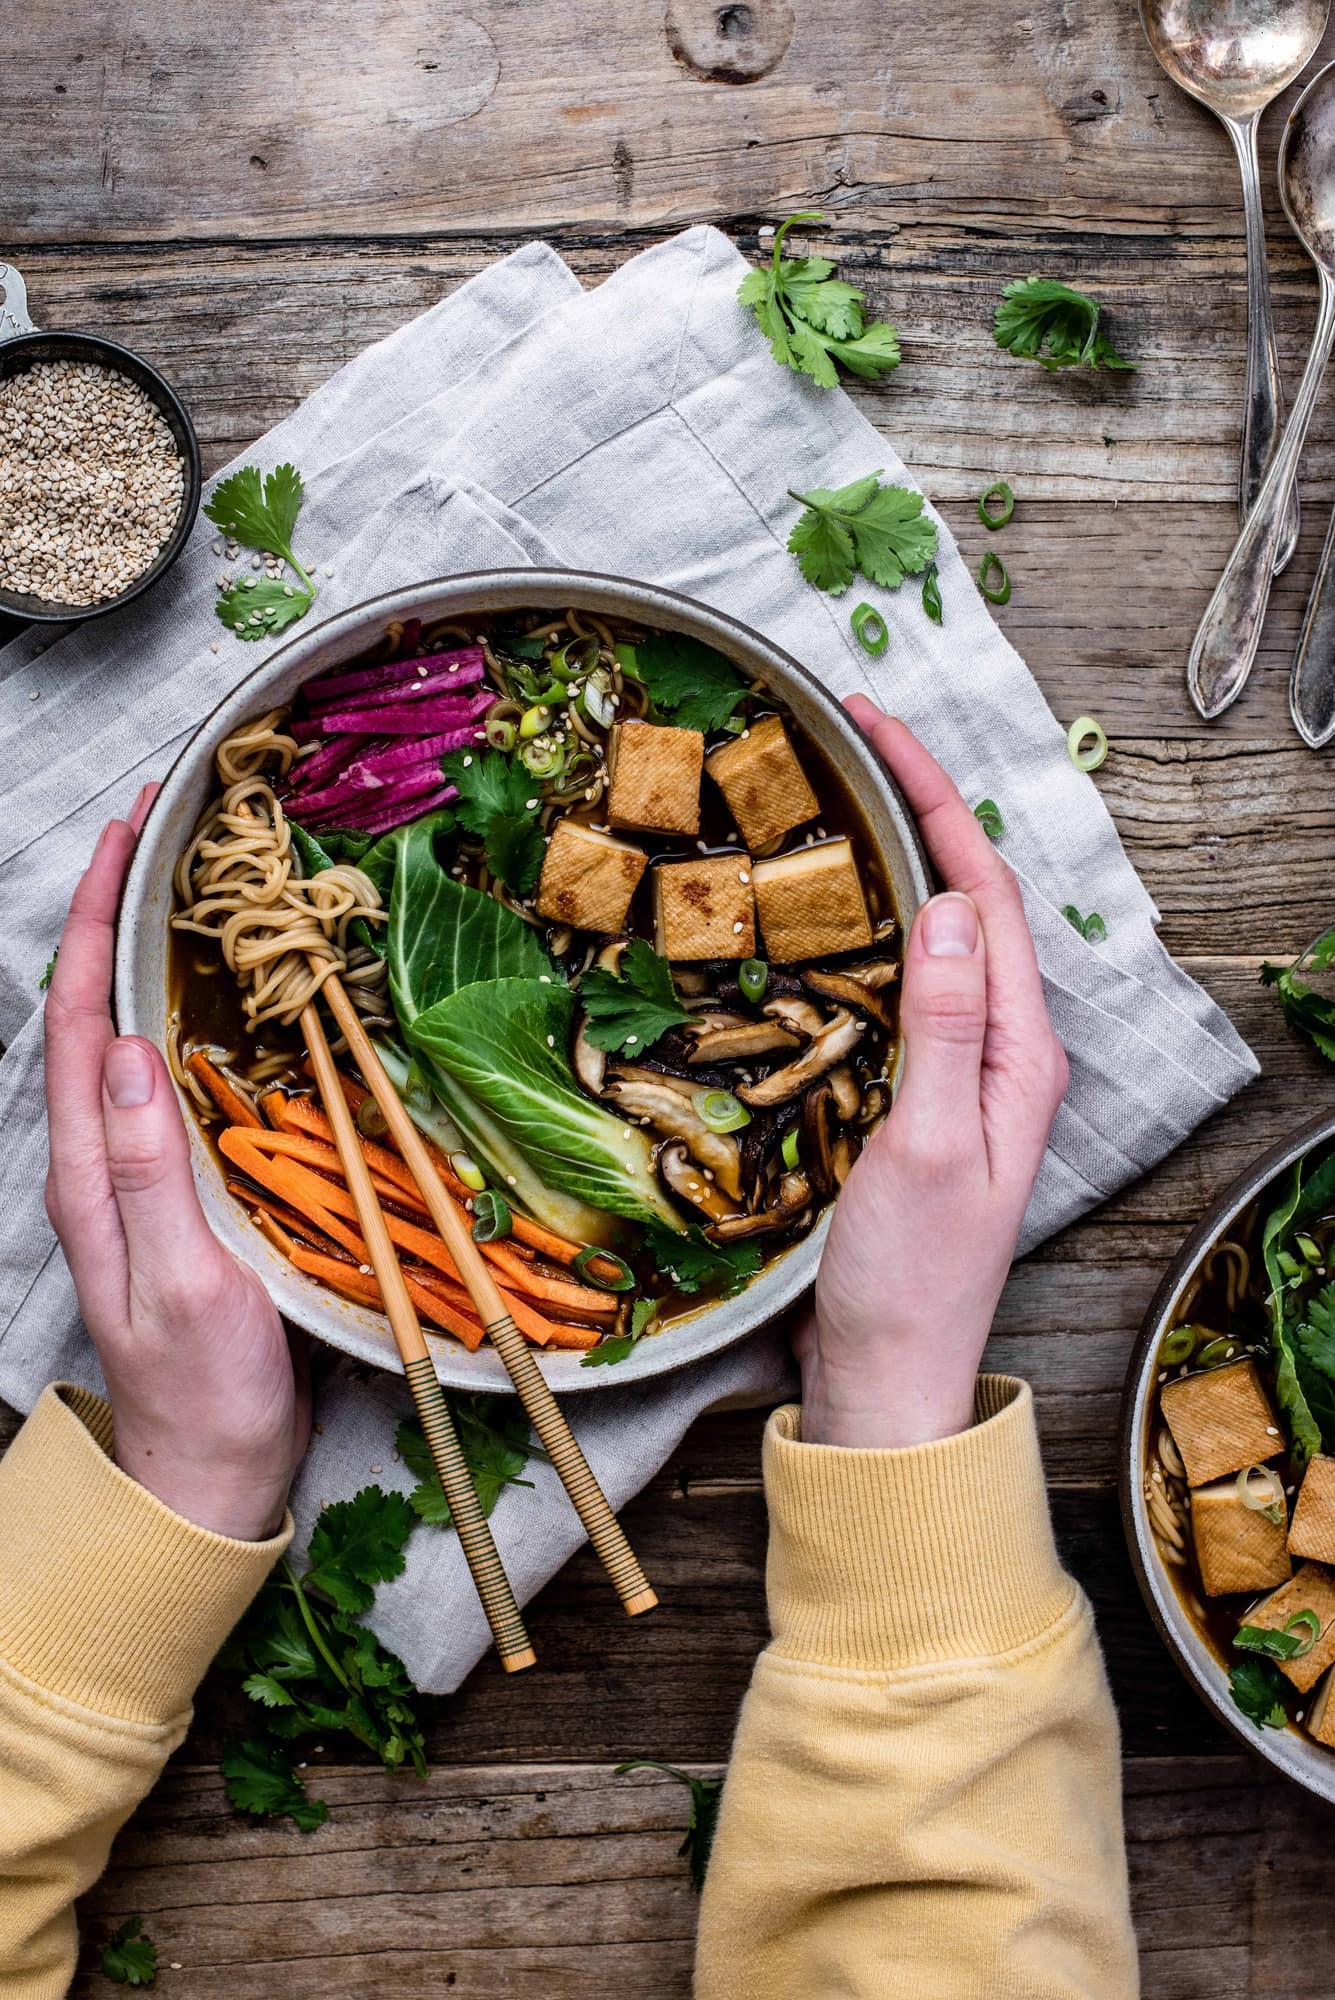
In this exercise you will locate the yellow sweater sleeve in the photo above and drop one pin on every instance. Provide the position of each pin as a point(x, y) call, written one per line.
point(925, 1792)
point(111, 1608)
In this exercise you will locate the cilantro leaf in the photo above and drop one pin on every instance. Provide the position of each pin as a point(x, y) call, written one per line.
point(496, 1442)
point(498, 804)
point(1091, 928)
point(635, 1009)
point(1311, 1013)
point(259, 606)
point(642, 1314)
point(1257, 1686)
point(706, 1795)
point(50, 972)
point(880, 530)
point(259, 513)
point(356, 1544)
point(691, 1261)
point(130, 1958)
point(689, 683)
point(260, 1779)
point(814, 320)
point(1051, 323)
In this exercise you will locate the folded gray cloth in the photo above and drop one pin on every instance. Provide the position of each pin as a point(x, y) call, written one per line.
point(642, 429)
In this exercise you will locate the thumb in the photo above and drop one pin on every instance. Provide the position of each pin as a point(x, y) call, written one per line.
point(943, 1018)
point(148, 1164)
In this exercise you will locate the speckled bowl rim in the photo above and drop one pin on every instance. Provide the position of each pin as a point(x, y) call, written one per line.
point(140, 977)
point(1307, 1763)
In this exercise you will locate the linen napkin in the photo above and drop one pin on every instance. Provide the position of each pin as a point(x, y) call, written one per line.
point(641, 429)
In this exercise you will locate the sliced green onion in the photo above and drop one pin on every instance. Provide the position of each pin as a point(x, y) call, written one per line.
point(870, 630)
point(534, 721)
point(491, 1217)
point(1219, 1350)
point(1000, 592)
point(1306, 1627)
point(598, 700)
point(1178, 1345)
point(542, 758)
point(1310, 1249)
point(753, 978)
point(577, 656)
point(629, 661)
point(722, 1112)
point(370, 1119)
point(1091, 928)
point(998, 490)
point(1270, 1642)
point(1289, 1264)
point(468, 1171)
point(1261, 1491)
point(988, 815)
point(501, 734)
point(624, 1280)
point(931, 595)
point(1086, 744)
point(791, 1150)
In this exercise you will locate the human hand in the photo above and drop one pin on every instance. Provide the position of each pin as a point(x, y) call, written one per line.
point(924, 1231)
point(208, 1412)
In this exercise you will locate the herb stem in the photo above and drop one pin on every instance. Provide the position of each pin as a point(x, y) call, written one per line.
point(316, 1636)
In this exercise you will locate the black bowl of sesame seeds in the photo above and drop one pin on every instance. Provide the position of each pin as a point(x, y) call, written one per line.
point(99, 470)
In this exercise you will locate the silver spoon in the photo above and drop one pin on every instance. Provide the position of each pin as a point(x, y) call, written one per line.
point(1228, 635)
point(1235, 57)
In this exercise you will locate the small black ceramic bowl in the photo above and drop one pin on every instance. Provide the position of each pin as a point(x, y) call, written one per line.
point(20, 346)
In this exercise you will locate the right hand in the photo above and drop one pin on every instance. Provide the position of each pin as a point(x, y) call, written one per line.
point(923, 1234)
point(209, 1414)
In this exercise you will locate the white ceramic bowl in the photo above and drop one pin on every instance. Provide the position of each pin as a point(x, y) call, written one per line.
point(142, 934)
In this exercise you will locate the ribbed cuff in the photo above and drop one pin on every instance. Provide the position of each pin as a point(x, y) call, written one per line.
point(108, 1598)
point(890, 1559)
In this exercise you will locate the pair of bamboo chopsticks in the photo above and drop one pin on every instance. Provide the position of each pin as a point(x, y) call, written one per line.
point(554, 1433)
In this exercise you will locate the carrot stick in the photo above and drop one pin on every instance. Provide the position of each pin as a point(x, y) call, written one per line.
point(362, 1286)
point(289, 1221)
point(236, 1108)
point(575, 1336)
point(275, 1232)
point(304, 1113)
point(325, 1160)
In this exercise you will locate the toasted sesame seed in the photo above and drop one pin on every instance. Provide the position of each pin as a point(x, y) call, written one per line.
point(737, 929)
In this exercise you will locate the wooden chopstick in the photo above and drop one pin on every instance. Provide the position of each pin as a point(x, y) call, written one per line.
point(493, 1586)
point(544, 1413)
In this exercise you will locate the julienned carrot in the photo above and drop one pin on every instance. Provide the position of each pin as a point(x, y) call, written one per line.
point(307, 1116)
point(575, 1336)
point(359, 1284)
point(314, 1153)
point(327, 1202)
point(287, 1218)
point(235, 1107)
point(565, 1296)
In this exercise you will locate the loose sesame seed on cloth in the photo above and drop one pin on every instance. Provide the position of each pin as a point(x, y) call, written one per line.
point(90, 482)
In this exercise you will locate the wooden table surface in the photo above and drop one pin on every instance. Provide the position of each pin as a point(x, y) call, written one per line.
point(251, 197)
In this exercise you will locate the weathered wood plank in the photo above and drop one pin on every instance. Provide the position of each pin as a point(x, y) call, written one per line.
point(487, 1882)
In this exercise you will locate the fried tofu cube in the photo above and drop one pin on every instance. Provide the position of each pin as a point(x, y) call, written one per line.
point(1236, 1549)
point(1321, 1715)
point(655, 778)
point(588, 878)
point(810, 903)
point(1312, 1529)
point(1221, 1421)
point(1312, 1589)
point(765, 786)
point(705, 908)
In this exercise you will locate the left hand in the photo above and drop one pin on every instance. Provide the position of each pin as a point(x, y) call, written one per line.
point(209, 1414)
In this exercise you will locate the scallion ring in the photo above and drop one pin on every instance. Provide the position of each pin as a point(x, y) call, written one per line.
point(1307, 1626)
point(623, 1279)
point(491, 1217)
point(1178, 1345)
point(931, 595)
point(791, 1150)
point(1310, 1248)
point(1086, 744)
point(870, 630)
point(999, 593)
point(998, 490)
point(1219, 1350)
point(722, 1112)
point(1261, 1491)
point(468, 1171)
point(501, 734)
point(753, 978)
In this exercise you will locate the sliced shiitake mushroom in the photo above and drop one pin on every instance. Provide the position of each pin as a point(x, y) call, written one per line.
point(792, 1011)
point(686, 1180)
point(589, 1063)
point(671, 1110)
point(794, 1198)
point(861, 987)
point(836, 1039)
point(847, 1096)
point(818, 1136)
point(727, 1038)
point(847, 1146)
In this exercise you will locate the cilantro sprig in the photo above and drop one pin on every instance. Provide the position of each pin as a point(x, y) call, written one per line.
point(261, 513)
point(1310, 1012)
point(1053, 324)
point(1091, 928)
point(498, 804)
point(692, 1261)
point(689, 683)
point(636, 1008)
point(130, 1958)
point(814, 320)
point(619, 1345)
point(706, 1794)
point(1257, 1687)
point(496, 1442)
point(880, 530)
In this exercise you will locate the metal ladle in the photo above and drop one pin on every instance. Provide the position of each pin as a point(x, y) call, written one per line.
point(1235, 57)
point(1228, 635)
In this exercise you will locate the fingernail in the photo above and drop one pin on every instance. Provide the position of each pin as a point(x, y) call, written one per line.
point(128, 1074)
point(949, 927)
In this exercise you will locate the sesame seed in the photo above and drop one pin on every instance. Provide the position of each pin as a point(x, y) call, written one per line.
point(530, 805)
point(213, 645)
point(377, 1468)
point(631, 1041)
point(467, 762)
point(33, 695)
point(737, 929)
point(742, 876)
point(511, 1179)
point(328, 572)
point(551, 1041)
point(1270, 1431)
